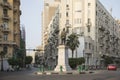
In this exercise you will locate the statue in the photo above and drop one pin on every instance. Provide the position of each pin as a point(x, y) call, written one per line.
point(63, 36)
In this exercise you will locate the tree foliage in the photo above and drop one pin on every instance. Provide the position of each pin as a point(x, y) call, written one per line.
point(15, 61)
point(73, 42)
point(108, 60)
point(28, 59)
point(2, 54)
point(73, 62)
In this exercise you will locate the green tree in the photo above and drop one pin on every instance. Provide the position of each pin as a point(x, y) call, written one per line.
point(73, 42)
point(28, 59)
point(13, 61)
point(108, 60)
point(2, 54)
point(73, 62)
point(21, 53)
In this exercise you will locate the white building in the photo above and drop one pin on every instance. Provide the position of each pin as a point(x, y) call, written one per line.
point(99, 31)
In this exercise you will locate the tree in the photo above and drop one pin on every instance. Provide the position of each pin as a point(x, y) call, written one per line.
point(73, 42)
point(2, 54)
point(13, 61)
point(108, 60)
point(28, 59)
point(74, 62)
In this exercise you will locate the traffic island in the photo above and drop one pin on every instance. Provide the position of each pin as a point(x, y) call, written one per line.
point(61, 73)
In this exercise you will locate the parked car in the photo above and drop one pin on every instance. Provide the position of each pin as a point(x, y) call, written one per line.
point(111, 67)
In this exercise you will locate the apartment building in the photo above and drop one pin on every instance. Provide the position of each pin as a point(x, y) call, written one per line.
point(98, 30)
point(9, 26)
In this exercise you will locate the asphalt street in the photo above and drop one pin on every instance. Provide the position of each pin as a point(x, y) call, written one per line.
point(30, 75)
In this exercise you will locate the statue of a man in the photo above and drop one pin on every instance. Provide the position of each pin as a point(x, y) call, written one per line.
point(63, 36)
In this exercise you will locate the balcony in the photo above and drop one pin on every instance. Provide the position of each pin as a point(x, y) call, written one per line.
point(102, 36)
point(68, 25)
point(101, 28)
point(15, 21)
point(5, 17)
point(6, 5)
point(116, 38)
point(112, 36)
point(107, 46)
point(107, 38)
point(7, 43)
point(20, 12)
point(88, 51)
point(6, 30)
point(15, 9)
point(107, 32)
point(101, 44)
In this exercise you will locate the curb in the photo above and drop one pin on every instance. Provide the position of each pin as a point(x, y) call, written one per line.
point(62, 73)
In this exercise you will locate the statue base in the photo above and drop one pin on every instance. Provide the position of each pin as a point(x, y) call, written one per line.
point(62, 59)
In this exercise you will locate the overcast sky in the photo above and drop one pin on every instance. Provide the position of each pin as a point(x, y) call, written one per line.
point(31, 18)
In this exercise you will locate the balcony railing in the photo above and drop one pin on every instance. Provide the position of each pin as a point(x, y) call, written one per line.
point(102, 36)
point(15, 9)
point(107, 32)
point(6, 5)
point(88, 51)
point(7, 43)
point(101, 44)
point(107, 46)
point(6, 30)
point(15, 21)
point(5, 17)
point(107, 38)
point(101, 28)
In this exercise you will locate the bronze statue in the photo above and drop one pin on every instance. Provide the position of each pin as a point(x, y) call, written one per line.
point(63, 36)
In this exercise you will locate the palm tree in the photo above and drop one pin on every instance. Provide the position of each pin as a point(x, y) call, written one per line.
point(73, 42)
point(2, 54)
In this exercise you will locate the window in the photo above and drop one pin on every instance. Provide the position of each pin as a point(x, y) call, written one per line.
point(67, 14)
point(5, 12)
point(89, 45)
point(67, 21)
point(88, 20)
point(67, 5)
point(5, 37)
point(85, 45)
point(5, 25)
point(88, 29)
point(89, 24)
point(89, 4)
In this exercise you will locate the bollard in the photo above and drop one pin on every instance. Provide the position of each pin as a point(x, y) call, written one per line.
point(79, 69)
point(39, 68)
point(86, 68)
point(49, 68)
point(42, 68)
point(61, 69)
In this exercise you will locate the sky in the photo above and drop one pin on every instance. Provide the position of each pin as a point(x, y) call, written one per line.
point(31, 18)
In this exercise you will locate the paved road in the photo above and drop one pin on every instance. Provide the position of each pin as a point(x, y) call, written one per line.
point(29, 75)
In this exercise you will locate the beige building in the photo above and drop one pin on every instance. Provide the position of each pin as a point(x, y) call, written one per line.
point(9, 26)
point(99, 31)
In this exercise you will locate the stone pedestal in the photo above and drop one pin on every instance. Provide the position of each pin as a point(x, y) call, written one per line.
point(62, 59)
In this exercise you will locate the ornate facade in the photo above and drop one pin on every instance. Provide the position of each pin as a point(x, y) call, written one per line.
point(9, 26)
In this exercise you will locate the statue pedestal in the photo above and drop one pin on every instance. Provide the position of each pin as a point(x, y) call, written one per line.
point(62, 59)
